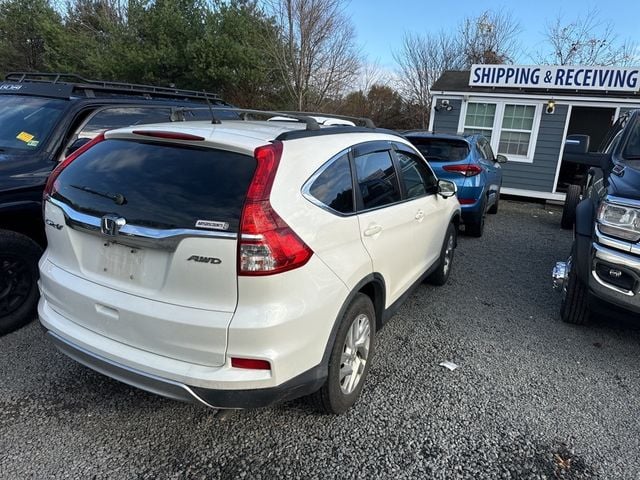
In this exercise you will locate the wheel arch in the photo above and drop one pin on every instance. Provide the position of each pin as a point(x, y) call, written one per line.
point(373, 285)
point(26, 219)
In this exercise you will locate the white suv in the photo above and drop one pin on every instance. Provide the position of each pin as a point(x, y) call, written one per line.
point(239, 264)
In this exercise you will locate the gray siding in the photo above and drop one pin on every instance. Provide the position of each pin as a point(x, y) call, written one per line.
point(540, 174)
point(447, 122)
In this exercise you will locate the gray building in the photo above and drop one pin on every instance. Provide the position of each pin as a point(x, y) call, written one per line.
point(527, 113)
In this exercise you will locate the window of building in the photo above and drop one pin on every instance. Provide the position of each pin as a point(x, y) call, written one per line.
point(517, 126)
point(479, 119)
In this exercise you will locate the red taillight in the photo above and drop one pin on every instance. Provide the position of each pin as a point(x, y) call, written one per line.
point(168, 135)
point(268, 158)
point(267, 244)
point(466, 201)
point(467, 169)
point(51, 186)
point(250, 363)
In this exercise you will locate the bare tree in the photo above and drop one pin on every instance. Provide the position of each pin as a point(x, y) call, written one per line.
point(587, 40)
point(370, 74)
point(421, 61)
point(315, 56)
point(491, 37)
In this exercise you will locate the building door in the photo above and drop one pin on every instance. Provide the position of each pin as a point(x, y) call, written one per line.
point(592, 121)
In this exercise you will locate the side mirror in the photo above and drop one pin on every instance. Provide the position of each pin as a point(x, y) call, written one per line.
point(79, 142)
point(501, 158)
point(446, 188)
point(597, 160)
point(577, 144)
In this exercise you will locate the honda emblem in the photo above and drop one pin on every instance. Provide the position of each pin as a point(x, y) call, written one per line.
point(111, 225)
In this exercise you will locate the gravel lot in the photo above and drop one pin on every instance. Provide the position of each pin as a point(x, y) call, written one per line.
point(532, 397)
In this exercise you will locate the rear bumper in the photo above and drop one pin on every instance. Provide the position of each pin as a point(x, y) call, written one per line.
point(277, 321)
point(304, 384)
point(471, 193)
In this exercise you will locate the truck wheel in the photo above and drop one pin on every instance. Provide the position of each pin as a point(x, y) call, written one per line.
point(441, 275)
point(350, 358)
point(569, 210)
point(19, 257)
point(575, 301)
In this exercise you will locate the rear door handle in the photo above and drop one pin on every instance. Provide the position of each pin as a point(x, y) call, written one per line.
point(372, 230)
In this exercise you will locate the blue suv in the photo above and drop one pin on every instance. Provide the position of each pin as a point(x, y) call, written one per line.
point(469, 162)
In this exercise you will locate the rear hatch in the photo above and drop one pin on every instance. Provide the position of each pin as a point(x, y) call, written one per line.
point(441, 152)
point(155, 221)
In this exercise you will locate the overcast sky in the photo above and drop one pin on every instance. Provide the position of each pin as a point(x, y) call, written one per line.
point(380, 25)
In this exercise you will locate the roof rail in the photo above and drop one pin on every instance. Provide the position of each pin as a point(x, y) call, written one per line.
point(82, 83)
point(243, 113)
point(305, 117)
point(367, 122)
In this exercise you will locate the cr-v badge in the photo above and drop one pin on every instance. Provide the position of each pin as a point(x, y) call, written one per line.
point(53, 224)
point(111, 224)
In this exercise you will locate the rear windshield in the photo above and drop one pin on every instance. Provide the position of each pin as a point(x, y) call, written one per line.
point(159, 185)
point(441, 150)
point(25, 122)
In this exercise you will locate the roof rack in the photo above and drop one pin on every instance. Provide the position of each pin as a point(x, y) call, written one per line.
point(89, 86)
point(367, 122)
point(305, 117)
point(312, 123)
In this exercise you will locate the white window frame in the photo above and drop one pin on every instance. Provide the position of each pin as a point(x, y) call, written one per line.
point(497, 124)
point(463, 118)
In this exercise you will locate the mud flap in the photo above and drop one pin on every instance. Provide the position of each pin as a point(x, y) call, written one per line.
point(585, 217)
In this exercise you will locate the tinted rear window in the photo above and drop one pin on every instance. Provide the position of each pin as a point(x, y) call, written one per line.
point(441, 150)
point(165, 186)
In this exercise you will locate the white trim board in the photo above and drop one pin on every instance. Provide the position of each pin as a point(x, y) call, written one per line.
point(564, 137)
point(543, 96)
point(517, 192)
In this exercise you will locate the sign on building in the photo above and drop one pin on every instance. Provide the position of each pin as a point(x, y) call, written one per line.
point(568, 77)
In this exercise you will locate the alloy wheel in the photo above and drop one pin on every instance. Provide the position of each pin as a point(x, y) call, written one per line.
point(355, 353)
point(448, 255)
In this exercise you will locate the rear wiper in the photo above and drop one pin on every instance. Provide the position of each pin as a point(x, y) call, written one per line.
point(117, 198)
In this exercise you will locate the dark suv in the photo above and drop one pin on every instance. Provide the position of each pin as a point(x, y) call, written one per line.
point(43, 118)
point(605, 257)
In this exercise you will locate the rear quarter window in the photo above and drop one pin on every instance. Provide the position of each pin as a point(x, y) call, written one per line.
point(333, 187)
point(164, 185)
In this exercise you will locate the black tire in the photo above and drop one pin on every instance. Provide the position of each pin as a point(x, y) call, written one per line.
point(19, 294)
point(331, 398)
point(474, 227)
point(494, 208)
point(441, 275)
point(575, 301)
point(569, 210)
